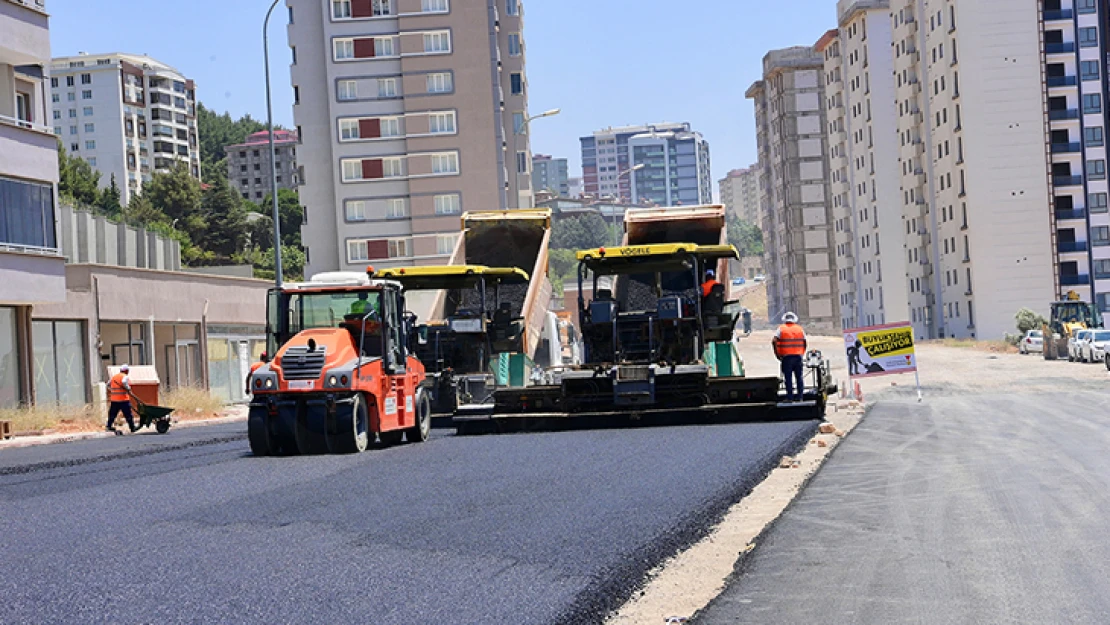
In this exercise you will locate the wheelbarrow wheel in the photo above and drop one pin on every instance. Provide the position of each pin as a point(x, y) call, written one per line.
point(162, 425)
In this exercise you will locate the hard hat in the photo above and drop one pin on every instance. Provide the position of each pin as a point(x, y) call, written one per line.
point(124, 368)
point(709, 272)
point(790, 318)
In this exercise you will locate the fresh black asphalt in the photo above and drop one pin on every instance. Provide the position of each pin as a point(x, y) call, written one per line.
point(974, 509)
point(524, 528)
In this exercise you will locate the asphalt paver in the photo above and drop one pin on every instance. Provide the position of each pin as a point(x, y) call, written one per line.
point(988, 508)
point(524, 528)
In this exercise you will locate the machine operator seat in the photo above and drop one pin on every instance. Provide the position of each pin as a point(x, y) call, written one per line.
point(718, 324)
point(504, 327)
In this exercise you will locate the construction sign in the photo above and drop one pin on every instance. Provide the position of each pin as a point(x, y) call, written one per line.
point(880, 350)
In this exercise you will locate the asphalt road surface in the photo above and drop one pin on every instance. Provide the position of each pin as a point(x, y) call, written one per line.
point(527, 528)
point(978, 509)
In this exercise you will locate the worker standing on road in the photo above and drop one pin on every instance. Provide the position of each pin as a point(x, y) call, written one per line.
point(746, 315)
point(790, 346)
point(262, 360)
point(119, 398)
point(710, 282)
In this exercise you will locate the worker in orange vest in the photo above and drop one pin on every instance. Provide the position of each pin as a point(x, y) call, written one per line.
point(119, 398)
point(710, 282)
point(262, 360)
point(790, 346)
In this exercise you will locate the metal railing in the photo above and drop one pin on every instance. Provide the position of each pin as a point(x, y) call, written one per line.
point(21, 123)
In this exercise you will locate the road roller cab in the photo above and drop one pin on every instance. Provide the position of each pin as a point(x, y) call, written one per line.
point(342, 373)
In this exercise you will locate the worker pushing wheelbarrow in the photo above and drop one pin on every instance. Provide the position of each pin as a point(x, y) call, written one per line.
point(121, 398)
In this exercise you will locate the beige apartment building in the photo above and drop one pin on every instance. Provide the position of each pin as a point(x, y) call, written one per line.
point(409, 112)
point(797, 222)
point(739, 191)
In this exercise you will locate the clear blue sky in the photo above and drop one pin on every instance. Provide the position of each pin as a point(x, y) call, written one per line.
point(603, 62)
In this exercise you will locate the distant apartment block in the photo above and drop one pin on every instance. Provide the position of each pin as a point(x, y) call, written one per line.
point(797, 218)
point(248, 163)
point(409, 112)
point(675, 160)
point(576, 187)
point(740, 193)
point(550, 174)
point(128, 115)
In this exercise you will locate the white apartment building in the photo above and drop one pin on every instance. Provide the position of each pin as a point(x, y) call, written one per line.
point(128, 115)
point(798, 237)
point(864, 165)
point(975, 177)
point(409, 112)
point(675, 161)
point(739, 191)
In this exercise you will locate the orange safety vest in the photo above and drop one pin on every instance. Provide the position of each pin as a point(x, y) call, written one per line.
point(707, 287)
point(117, 391)
point(790, 340)
point(256, 366)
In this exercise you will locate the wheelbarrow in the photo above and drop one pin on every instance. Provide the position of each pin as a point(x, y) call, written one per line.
point(158, 416)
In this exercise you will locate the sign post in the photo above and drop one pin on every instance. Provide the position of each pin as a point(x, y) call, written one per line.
point(881, 350)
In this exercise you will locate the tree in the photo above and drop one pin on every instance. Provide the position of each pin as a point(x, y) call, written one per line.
point(77, 180)
point(140, 212)
point(745, 236)
point(178, 195)
point(226, 233)
point(109, 202)
point(290, 212)
point(260, 230)
point(1027, 320)
point(580, 233)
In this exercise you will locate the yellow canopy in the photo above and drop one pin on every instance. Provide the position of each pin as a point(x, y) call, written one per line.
point(651, 258)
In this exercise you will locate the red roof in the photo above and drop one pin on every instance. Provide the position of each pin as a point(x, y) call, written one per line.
point(262, 137)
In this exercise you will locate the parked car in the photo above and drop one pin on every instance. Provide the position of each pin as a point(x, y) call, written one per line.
point(1094, 350)
point(1033, 341)
point(758, 279)
point(1075, 344)
point(738, 281)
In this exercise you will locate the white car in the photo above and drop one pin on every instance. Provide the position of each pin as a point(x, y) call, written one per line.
point(1075, 344)
point(1033, 341)
point(1094, 350)
point(759, 279)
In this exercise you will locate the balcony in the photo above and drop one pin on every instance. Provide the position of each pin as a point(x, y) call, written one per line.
point(1067, 181)
point(1072, 246)
point(1063, 148)
point(1075, 279)
point(1062, 81)
point(1059, 48)
point(28, 150)
point(1077, 213)
point(1061, 114)
point(1057, 15)
point(27, 36)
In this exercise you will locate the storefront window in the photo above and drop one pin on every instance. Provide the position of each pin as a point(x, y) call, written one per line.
point(9, 359)
point(59, 362)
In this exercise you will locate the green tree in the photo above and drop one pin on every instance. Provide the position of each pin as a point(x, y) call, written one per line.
point(290, 212)
point(1027, 320)
point(260, 230)
point(580, 233)
point(745, 236)
point(140, 212)
point(77, 180)
point(178, 195)
point(226, 234)
point(109, 201)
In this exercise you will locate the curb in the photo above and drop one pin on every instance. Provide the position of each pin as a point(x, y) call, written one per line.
point(52, 439)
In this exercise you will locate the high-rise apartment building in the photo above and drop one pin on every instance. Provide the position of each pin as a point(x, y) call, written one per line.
point(740, 193)
point(128, 115)
point(862, 134)
point(32, 269)
point(797, 215)
point(550, 174)
point(409, 112)
point(248, 164)
point(675, 162)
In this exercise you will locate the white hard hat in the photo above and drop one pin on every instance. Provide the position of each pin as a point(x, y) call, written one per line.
point(790, 318)
point(124, 368)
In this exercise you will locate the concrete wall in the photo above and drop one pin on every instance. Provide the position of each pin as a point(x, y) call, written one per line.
point(31, 278)
point(88, 238)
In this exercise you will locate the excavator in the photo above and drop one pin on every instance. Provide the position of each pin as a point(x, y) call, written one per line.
point(1066, 318)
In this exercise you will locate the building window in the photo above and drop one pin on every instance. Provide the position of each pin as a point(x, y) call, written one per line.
point(1096, 170)
point(391, 127)
point(357, 251)
point(1092, 136)
point(58, 130)
point(296, 94)
point(516, 83)
point(445, 244)
point(446, 163)
point(434, 6)
point(74, 147)
point(28, 213)
point(439, 82)
point(90, 145)
point(512, 7)
point(86, 79)
point(86, 94)
point(518, 123)
point(341, 9)
point(1092, 103)
point(387, 87)
point(57, 114)
point(379, 8)
point(449, 204)
point(69, 81)
point(347, 90)
point(1088, 37)
point(244, 182)
point(54, 82)
point(87, 111)
point(383, 46)
point(1085, 6)
point(348, 129)
point(437, 42)
point(1102, 269)
point(344, 49)
point(1100, 235)
point(521, 162)
point(441, 123)
point(73, 112)
point(352, 170)
point(399, 248)
point(92, 161)
point(1096, 203)
point(393, 167)
point(396, 208)
point(55, 98)
point(1088, 70)
point(356, 210)
point(514, 44)
point(71, 97)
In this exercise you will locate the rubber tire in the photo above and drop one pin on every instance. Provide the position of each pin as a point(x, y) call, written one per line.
point(258, 433)
point(352, 429)
point(423, 428)
point(163, 426)
point(1106, 360)
point(391, 438)
point(309, 442)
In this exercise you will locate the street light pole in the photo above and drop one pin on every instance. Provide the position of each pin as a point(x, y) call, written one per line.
point(273, 159)
point(623, 173)
point(516, 148)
